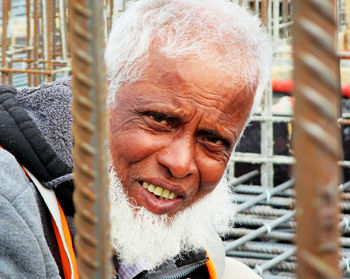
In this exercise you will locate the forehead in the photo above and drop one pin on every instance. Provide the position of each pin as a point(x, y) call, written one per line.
point(204, 83)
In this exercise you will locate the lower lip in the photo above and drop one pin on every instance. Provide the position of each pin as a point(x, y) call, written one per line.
point(158, 206)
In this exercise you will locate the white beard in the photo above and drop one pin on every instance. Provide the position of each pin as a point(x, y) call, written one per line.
point(139, 235)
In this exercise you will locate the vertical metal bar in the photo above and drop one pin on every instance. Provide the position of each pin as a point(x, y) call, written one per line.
point(50, 11)
point(276, 21)
point(63, 29)
point(316, 138)
point(90, 146)
point(264, 11)
point(6, 7)
point(45, 53)
point(11, 43)
point(28, 41)
point(36, 79)
point(285, 4)
point(347, 23)
point(266, 142)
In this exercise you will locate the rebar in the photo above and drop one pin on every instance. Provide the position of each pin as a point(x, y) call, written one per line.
point(36, 79)
point(257, 190)
point(264, 12)
point(280, 258)
point(316, 138)
point(63, 30)
point(262, 230)
point(28, 39)
point(262, 210)
point(243, 178)
point(266, 195)
point(265, 247)
point(248, 221)
point(6, 8)
point(347, 24)
point(283, 266)
point(90, 147)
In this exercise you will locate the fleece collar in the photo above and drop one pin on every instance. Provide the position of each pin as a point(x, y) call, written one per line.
point(20, 136)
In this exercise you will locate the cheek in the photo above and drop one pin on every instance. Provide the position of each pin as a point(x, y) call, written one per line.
point(133, 145)
point(211, 172)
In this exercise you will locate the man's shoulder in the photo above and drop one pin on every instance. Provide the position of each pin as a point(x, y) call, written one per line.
point(13, 180)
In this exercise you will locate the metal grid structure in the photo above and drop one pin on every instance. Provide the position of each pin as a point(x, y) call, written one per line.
point(34, 39)
point(264, 233)
point(264, 229)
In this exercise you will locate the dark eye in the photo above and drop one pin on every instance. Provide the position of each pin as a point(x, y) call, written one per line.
point(214, 139)
point(161, 119)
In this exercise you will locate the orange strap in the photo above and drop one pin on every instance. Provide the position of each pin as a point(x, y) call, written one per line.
point(211, 268)
point(64, 258)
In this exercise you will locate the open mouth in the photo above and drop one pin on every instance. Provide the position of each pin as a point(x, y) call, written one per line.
point(158, 191)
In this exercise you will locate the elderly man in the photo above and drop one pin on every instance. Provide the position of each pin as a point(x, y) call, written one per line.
point(183, 76)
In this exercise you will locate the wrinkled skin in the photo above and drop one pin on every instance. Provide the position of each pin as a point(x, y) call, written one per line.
point(176, 128)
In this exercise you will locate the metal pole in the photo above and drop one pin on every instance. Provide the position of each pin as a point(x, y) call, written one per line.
point(316, 138)
point(36, 78)
point(264, 12)
point(6, 8)
point(62, 14)
point(28, 41)
point(49, 22)
point(347, 23)
point(90, 146)
point(266, 141)
point(276, 21)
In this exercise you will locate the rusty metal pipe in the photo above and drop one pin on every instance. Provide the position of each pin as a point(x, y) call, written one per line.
point(316, 138)
point(90, 147)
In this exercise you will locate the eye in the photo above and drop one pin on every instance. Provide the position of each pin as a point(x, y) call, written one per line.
point(213, 141)
point(159, 121)
point(160, 118)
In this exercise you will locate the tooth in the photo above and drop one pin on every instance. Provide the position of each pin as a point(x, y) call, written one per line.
point(171, 196)
point(158, 191)
point(165, 193)
point(151, 188)
point(145, 185)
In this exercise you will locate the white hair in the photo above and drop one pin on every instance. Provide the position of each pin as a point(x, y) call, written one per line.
point(188, 28)
point(139, 235)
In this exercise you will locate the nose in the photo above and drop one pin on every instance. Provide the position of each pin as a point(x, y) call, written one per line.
point(178, 157)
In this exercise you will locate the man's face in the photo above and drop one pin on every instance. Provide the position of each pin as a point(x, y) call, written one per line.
point(172, 132)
